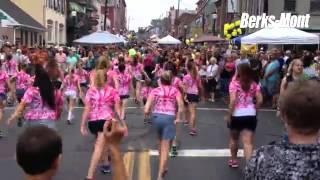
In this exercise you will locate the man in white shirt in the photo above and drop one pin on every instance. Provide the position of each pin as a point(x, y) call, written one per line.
point(211, 75)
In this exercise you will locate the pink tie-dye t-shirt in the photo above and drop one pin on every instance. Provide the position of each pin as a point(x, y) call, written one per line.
point(36, 109)
point(83, 75)
point(111, 76)
point(124, 83)
point(71, 84)
point(23, 80)
point(165, 99)
point(101, 102)
point(244, 105)
point(145, 91)
point(192, 85)
point(3, 81)
point(10, 67)
point(137, 71)
point(176, 82)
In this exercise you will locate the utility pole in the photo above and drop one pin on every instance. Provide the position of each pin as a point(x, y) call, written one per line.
point(176, 19)
point(223, 15)
point(105, 15)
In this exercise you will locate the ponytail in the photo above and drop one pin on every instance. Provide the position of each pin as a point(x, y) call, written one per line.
point(192, 69)
point(100, 79)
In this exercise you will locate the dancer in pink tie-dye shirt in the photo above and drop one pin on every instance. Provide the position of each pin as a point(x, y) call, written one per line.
point(71, 87)
point(23, 81)
point(125, 86)
point(38, 102)
point(163, 102)
point(245, 100)
point(99, 102)
point(4, 84)
point(137, 72)
point(192, 89)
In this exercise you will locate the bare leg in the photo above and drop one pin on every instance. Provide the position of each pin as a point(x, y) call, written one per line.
point(123, 108)
point(96, 156)
point(247, 140)
point(164, 148)
point(233, 144)
point(70, 108)
point(192, 110)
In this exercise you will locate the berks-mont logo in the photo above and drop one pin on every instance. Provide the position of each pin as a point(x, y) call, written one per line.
point(269, 21)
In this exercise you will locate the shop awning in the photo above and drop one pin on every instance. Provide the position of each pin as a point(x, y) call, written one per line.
point(17, 17)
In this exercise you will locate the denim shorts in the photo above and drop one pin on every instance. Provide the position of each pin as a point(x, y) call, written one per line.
point(44, 122)
point(164, 125)
point(20, 93)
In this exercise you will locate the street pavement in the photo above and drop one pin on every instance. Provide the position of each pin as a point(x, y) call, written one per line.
point(202, 157)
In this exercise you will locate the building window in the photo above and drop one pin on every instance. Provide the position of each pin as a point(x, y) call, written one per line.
point(36, 38)
point(61, 34)
point(31, 36)
point(26, 40)
point(21, 37)
point(315, 6)
point(56, 32)
point(50, 30)
point(40, 40)
point(290, 5)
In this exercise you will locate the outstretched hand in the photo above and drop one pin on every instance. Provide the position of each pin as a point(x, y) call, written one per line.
point(113, 133)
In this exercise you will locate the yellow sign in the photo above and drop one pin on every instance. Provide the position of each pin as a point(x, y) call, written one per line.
point(249, 48)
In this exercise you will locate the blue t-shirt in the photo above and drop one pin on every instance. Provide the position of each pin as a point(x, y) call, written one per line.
point(273, 66)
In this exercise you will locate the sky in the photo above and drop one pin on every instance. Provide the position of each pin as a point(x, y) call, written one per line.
point(141, 12)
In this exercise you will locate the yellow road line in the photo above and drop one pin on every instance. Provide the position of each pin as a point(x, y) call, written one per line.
point(144, 166)
point(128, 160)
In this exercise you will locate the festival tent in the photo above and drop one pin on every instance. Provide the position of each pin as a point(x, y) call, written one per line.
point(169, 40)
point(280, 35)
point(99, 38)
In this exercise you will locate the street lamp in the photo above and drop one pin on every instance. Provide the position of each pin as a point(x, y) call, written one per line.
point(74, 19)
point(185, 32)
point(214, 17)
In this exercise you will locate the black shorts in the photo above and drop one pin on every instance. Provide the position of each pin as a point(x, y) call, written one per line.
point(240, 123)
point(144, 101)
point(96, 126)
point(193, 98)
point(84, 84)
point(124, 96)
point(57, 84)
point(211, 85)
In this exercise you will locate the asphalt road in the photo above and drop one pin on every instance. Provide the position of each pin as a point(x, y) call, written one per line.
point(204, 156)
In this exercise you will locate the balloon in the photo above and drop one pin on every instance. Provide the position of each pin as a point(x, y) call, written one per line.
point(187, 41)
point(231, 26)
point(225, 32)
point(226, 27)
point(239, 31)
point(132, 52)
point(191, 39)
point(234, 33)
point(228, 36)
point(237, 23)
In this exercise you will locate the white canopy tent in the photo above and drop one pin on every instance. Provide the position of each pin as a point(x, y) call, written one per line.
point(280, 35)
point(169, 40)
point(99, 38)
